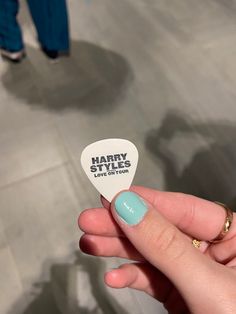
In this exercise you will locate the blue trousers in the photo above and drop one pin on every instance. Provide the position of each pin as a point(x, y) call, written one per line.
point(50, 19)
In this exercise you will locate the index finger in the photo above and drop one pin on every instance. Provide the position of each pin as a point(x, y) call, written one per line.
point(194, 216)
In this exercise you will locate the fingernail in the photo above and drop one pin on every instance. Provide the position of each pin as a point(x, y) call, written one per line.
point(130, 207)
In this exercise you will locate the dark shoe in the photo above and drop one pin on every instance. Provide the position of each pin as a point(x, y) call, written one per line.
point(13, 56)
point(51, 54)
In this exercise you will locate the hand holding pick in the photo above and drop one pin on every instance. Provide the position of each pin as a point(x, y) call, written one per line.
point(155, 230)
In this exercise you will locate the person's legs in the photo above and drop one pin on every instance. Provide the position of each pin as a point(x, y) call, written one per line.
point(11, 43)
point(10, 32)
point(51, 22)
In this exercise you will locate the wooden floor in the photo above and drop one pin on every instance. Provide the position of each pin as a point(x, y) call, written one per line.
point(159, 73)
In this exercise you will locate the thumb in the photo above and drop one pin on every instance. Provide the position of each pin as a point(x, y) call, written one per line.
point(163, 245)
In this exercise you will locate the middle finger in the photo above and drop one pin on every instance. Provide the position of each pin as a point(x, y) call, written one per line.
point(109, 247)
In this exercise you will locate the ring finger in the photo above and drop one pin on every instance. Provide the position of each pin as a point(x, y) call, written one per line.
point(109, 247)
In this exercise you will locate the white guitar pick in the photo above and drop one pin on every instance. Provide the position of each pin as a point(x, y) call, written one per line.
point(110, 165)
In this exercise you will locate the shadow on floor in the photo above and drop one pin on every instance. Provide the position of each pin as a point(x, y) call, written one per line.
point(210, 171)
point(74, 288)
point(91, 79)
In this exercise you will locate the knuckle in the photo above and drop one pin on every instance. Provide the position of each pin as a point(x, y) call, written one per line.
point(169, 243)
point(166, 239)
point(188, 217)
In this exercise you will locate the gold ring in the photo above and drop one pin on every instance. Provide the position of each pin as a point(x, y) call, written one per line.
point(227, 223)
point(196, 243)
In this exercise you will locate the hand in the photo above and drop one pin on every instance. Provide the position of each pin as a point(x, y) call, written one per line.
point(156, 232)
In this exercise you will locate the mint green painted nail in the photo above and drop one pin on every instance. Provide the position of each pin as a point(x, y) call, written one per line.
point(130, 207)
